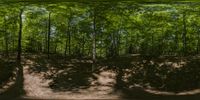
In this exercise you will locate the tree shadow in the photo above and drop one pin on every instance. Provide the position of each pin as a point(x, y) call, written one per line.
point(6, 71)
point(13, 80)
point(73, 78)
point(141, 94)
point(169, 75)
point(66, 74)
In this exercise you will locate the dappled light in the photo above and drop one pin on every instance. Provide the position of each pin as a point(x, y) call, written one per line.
point(99, 49)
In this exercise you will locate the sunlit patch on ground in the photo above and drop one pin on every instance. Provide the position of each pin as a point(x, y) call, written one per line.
point(74, 79)
point(101, 86)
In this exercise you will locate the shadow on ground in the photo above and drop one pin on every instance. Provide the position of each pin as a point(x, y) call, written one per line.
point(160, 78)
point(11, 76)
point(168, 77)
point(66, 74)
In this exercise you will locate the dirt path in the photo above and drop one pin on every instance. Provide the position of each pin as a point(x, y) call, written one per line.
point(36, 86)
point(101, 85)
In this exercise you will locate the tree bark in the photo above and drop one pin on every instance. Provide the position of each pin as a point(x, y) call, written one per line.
point(83, 46)
point(46, 38)
point(65, 52)
point(49, 32)
point(20, 36)
point(198, 42)
point(55, 48)
point(69, 41)
point(184, 34)
point(94, 39)
point(176, 41)
point(5, 38)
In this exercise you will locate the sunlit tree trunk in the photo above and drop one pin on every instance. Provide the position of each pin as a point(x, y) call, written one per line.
point(94, 40)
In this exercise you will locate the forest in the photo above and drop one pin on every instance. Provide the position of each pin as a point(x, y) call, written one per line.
point(137, 50)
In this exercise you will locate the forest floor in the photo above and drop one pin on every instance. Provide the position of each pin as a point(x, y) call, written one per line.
point(49, 83)
point(59, 78)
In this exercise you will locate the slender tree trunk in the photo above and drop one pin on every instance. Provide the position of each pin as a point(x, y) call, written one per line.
point(55, 49)
point(94, 41)
point(101, 49)
point(19, 78)
point(198, 42)
point(152, 43)
point(46, 37)
point(112, 45)
point(69, 41)
point(13, 40)
point(83, 46)
point(20, 36)
point(176, 40)
point(49, 32)
point(65, 52)
point(184, 34)
point(13, 44)
point(2, 43)
point(5, 38)
point(118, 44)
point(115, 45)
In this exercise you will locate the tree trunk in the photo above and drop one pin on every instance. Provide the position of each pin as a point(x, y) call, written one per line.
point(19, 79)
point(152, 43)
point(112, 49)
point(184, 34)
point(65, 52)
point(46, 37)
point(55, 49)
point(49, 32)
point(69, 41)
point(83, 46)
point(176, 41)
point(20, 36)
point(13, 44)
point(101, 47)
point(94, 41)
point(198, 42)
point(6, 38)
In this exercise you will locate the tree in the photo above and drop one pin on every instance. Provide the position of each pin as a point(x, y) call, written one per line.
point(20, 36)
point(49, 33)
